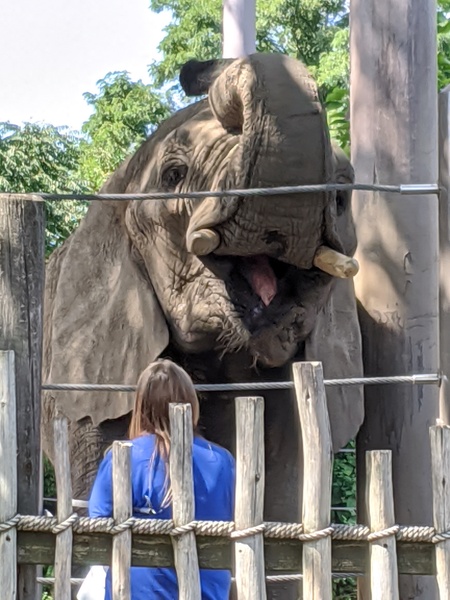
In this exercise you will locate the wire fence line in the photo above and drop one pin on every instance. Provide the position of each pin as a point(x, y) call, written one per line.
point(403, 189)
point(421, 379)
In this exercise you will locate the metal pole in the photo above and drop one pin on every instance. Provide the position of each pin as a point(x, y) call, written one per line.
point(239, 28)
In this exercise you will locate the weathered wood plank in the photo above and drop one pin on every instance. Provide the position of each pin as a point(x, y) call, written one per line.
point(183, 502)
point(249, 504)
point(123, 510)
point(318, 469)
point(216, 553)
point(444, 254)
point(8, 474)
point(63, 553)
point(394, 133)
point(22, 243)
point(440, 453)
point(380, 508)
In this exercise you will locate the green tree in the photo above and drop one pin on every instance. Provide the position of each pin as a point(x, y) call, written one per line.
point(306, 30)
point(43, 158)
point(124, 113)
point(314, 31)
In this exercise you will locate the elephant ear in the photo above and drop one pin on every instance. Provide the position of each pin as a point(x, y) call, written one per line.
point(196, 77)
point(336, 341)
point(336, 338)
point(103, 322)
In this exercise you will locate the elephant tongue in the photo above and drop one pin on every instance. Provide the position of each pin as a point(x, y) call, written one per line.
point(261, 277)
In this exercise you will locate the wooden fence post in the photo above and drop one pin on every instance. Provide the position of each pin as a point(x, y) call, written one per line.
point(8, 475)
point(380, 508)
point(440, 453)
point(183, 503)
point(249, 503)
point(394, 140)
point(63, 549)
point(444, 254)
point(123, 510)
point(22, 251)
point(318, 470)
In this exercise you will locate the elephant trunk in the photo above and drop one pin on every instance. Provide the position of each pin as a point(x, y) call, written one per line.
point(272, 103)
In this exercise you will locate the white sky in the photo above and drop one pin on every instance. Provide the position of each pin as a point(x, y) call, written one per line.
point(53, 50)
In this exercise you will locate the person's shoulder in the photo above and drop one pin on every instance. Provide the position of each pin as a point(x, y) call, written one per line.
point(142, 446)
point(218, 451)
point(142, 441)
point(139, 445)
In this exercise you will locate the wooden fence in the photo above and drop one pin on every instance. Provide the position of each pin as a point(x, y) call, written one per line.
point(254, 550)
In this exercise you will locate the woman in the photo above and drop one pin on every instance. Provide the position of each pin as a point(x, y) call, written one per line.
point(162, 383)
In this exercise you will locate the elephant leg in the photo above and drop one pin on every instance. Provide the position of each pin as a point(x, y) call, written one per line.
point(85, 454)
point(88, 445)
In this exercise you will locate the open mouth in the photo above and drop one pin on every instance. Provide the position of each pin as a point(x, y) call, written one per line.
point(265, 290)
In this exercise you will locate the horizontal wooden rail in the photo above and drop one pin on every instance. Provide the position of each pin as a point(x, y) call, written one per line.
point(216, 553)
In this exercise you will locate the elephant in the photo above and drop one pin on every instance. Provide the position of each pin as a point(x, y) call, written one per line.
point(229, 287)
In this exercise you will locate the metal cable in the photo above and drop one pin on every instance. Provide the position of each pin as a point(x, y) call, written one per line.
point(50, 581)
point(405, 189)
point(425, 379)
point(84, 504)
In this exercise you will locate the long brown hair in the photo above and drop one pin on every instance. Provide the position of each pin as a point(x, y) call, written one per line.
point(160, 384)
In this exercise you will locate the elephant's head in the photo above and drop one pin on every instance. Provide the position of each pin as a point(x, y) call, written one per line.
point(216, 274)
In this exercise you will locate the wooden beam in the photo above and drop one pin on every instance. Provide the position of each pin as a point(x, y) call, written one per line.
point(216, 553)
point(63, 552)
point(123, 510)
point(183, 500)
point(380, 506)
point(440, 451)
point(22, 244)
point(318, 469)
point(444, 254)
point(8, 474)
point(250, 480)
point(394, 140)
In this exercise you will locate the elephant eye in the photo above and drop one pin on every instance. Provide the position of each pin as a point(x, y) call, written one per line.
point(341, 202)
point(173, 176)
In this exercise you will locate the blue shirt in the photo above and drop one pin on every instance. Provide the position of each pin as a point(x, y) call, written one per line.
point(214, 473)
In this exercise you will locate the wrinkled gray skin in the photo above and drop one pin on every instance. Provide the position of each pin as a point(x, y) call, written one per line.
point(125, 289)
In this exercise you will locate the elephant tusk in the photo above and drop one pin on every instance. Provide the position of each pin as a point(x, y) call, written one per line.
point(334, 263)
point(203, 242)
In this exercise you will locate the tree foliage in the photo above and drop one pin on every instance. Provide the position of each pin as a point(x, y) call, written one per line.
point(124, 113)
point(306, 30)
point(43, 158)
point(314, 31)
